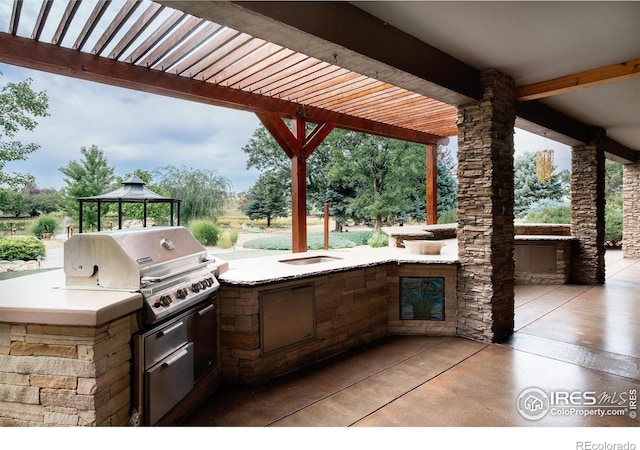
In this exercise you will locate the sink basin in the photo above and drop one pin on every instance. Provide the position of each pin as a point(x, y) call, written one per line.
point(309, 260)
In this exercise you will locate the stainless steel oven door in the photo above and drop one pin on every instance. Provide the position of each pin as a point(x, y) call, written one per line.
point(169, 381)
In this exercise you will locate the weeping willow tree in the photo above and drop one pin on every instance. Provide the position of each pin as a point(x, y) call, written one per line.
point(203, 193)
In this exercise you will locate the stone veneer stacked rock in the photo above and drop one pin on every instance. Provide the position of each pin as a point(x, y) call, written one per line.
point(52, 375)
point(631, 210)
point(587, 210)
point(485, 212)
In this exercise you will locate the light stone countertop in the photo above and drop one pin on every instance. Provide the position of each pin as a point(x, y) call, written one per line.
point(543, 237)
point(43, 299)
point(263, 270)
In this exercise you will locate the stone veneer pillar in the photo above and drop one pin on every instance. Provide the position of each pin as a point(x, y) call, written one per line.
point(631, 210)
point(485, 212)
point(587, 209)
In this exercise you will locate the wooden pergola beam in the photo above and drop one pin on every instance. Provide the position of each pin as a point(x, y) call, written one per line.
point(24, 52)
point(582, 80)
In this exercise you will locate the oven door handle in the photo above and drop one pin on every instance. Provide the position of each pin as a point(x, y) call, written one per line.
point(170, 329)
point(175, 358)
point(203, 311)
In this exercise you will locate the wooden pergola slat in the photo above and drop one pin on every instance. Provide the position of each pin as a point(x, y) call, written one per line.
point(129, 7)
point(98, 11)
point(145, 20)
point(158, 34)
point(179, 54)
point(181, 32)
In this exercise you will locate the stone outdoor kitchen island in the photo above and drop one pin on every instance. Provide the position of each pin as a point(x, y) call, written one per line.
point(66, 357)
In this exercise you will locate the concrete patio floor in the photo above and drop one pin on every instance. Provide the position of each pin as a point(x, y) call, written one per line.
point(569, 338)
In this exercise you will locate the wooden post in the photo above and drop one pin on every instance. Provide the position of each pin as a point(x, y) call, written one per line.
point(299, 203)
point(326, 226)
point(432, 184)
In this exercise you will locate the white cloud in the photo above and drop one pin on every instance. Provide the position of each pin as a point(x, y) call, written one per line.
point(134, 129)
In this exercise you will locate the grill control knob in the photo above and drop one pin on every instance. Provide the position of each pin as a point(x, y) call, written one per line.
point(195, 287)
point(208, 282)
point(181, 293)
point(165, 300)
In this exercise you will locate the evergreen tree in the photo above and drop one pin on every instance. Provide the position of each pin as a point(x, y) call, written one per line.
point(267, 199)
point(527, 187)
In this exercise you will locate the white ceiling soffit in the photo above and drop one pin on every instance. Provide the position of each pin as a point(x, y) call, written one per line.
point(538, 41)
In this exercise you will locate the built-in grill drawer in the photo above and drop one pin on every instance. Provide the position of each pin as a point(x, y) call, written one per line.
point(169, 381)
point(164, 342)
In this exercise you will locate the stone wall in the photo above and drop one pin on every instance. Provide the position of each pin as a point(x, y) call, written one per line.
point(631, 210)
point(350, 310)
point(485, 212)
point(64, 375)
point(542, 229)
point(587, 210)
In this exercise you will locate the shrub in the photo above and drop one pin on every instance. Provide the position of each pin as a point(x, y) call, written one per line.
point(613, 226)
point(24, 247)
point(379, 240)
point(550, 214)
point(228, 238)
point(44, 224)
point(233, 236)
point(449, 216)
point(315, 241)
point(205, 231)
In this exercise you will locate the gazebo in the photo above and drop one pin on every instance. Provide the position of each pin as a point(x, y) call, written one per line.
point(132, 191)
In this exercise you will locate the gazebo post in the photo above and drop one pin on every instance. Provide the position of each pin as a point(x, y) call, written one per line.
point(99, 214)
point(81, 203)
point(120, 213)
point(144, 214)
point(171, 213)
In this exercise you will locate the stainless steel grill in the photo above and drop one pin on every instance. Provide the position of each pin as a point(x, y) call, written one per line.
point(167, 265)
point(177, 341)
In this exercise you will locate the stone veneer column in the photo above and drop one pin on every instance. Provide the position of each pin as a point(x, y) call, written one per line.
point(631, 210)
point(485, 212)
point(587, 209)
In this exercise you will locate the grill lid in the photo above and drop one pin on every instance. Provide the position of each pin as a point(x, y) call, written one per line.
point(129, 259)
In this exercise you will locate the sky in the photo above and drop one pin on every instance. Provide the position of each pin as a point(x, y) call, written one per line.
point(136, 130)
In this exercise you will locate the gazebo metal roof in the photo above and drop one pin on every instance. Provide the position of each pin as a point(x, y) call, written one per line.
point(131, 191)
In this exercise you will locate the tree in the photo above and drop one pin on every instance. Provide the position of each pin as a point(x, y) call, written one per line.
point(19, 106)
point(363, 178)
point(203, 193)
point(267, 199)
point(266, 155)
point(88, 177)
point(527, 187)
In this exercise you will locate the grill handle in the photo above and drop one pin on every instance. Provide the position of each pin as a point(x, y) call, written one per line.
point(173, 274)
point(170, 329)
point(175, 358)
